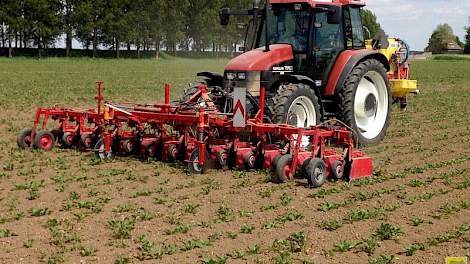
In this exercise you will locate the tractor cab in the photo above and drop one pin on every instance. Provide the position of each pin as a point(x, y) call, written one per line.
point(315, 34)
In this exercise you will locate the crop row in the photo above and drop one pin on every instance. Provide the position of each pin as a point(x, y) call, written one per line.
point(380, 176)
point(368, 195)
point(380, 212)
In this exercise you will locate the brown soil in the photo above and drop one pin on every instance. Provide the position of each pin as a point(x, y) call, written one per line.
point(84, 198)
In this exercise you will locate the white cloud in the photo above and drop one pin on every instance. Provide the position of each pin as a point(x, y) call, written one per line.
point(414, 20)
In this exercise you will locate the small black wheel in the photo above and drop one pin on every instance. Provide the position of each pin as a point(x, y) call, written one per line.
point(128, 146)
point(44, 140)
point(173, 152)
point(67, 140)
point(150, 151)
point(274, 161)
point(23, 138)
point(283, 169)
point(86, 142)
point(337, 170)
point(100, 152)
point(316, 173)
point(249, 159)
point(193, 166)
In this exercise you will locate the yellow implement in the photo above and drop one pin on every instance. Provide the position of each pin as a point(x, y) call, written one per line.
point(398, 74)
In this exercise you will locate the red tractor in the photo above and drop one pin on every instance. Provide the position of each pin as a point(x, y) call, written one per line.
point(314, 61)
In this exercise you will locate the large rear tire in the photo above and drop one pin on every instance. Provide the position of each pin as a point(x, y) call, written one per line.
point(365, 102)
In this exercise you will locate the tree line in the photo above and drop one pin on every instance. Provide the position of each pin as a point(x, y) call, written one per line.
point(142, 25)
point(118, 24)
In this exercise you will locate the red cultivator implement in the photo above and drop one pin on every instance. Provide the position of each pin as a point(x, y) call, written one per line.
point(197, 133)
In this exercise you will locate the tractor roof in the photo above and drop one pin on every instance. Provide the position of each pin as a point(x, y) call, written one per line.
point(323, 2)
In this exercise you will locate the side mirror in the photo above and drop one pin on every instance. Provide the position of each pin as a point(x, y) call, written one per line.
point(334, 15)
point(224, 16)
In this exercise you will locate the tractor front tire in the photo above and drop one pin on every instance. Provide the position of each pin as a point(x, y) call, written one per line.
point(295, 104)
point(365, 102)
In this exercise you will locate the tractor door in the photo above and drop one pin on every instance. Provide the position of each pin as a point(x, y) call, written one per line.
point(328, 42)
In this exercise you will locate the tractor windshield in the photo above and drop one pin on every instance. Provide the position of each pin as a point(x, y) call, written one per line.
point(287, 25)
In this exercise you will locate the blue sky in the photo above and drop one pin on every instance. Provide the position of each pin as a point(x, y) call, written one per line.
point(415, 20)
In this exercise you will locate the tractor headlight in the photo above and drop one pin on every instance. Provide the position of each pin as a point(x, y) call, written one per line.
point(231, 76)
point(242, 76)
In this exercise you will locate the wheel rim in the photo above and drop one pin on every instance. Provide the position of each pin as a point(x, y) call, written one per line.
point(223, 158)
point(371, 105)
point(130, 145)
point(173, 152)
point(197, 167)
point(318, 174)
point(27, 140)
point(252, 161)
point(194, 162)
point(339, 171)
point(45, 142)
point(302, 114)
point(102, 152)
point(151, 150)
point(87, 142)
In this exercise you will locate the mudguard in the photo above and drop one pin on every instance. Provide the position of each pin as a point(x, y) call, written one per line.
point(344, 65)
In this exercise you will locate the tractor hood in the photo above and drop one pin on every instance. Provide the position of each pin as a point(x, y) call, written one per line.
point(261, 60)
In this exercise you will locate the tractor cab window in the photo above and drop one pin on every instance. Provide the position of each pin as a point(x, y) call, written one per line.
point(328, 42)
point(288, 26)
point(353, 29)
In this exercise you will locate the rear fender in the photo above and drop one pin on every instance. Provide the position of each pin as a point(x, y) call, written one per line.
point(344, 65)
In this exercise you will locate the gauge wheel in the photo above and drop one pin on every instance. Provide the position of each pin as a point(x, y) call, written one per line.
point(316, 173)
point(283, 169)
point(100, 152)
point(23, 138)
point(44, 140)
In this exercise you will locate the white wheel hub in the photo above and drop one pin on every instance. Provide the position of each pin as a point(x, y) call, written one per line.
point(371, 105)
point(302, 113)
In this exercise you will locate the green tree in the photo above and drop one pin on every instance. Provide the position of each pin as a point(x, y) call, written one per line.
point(42, 18)
point(442, 36)
point(90, 23)
point(370, 21)
point(11, 16)
point(467, 40)
point(69, 21)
